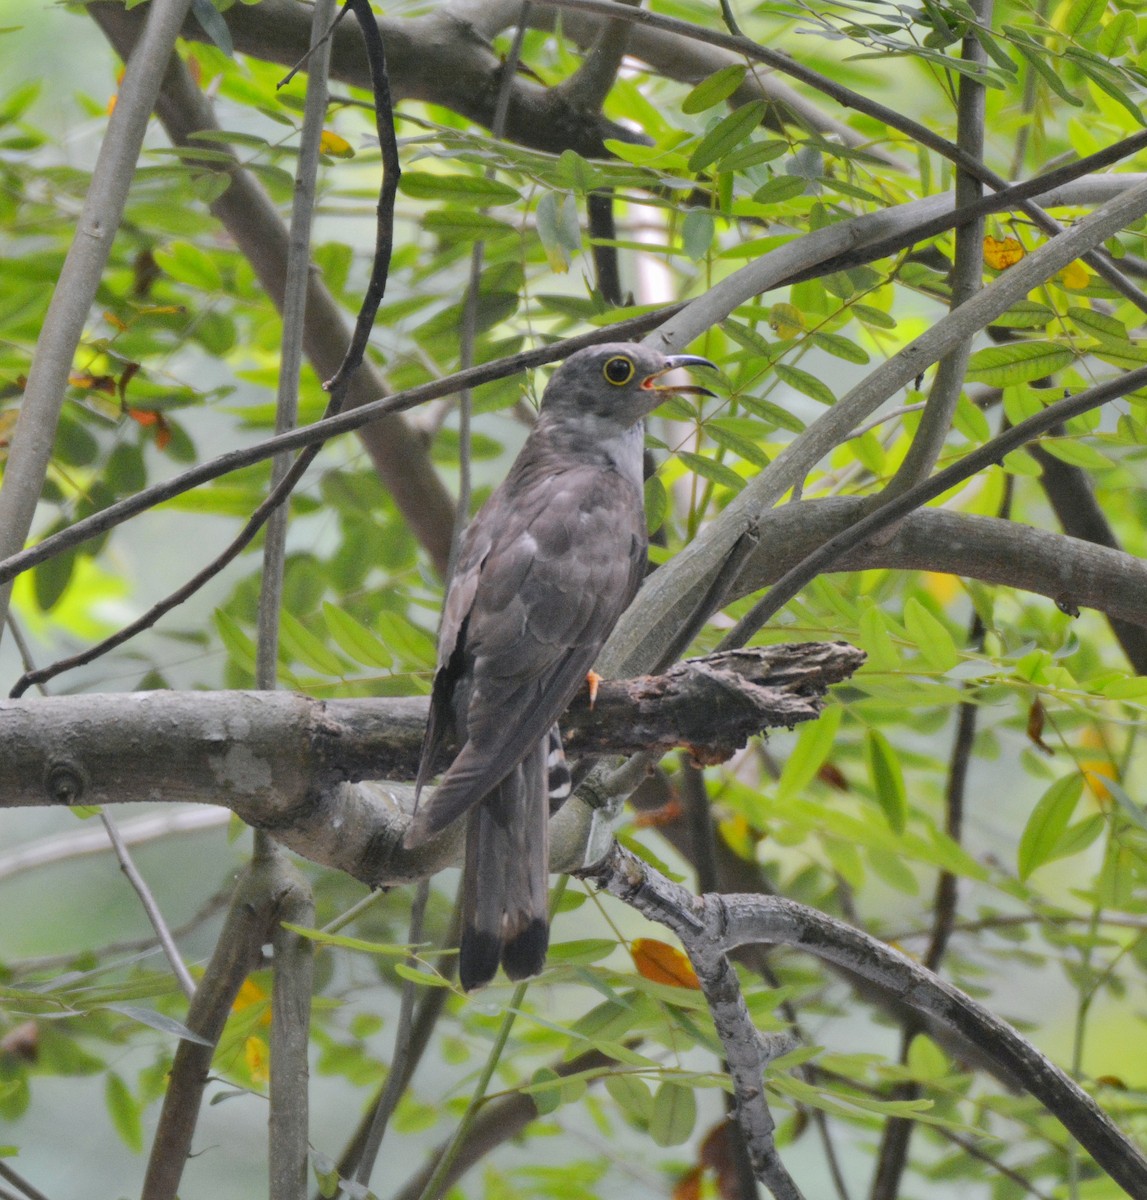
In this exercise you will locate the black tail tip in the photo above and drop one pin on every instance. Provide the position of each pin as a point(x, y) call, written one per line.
point(525, 954)
point(478, 956)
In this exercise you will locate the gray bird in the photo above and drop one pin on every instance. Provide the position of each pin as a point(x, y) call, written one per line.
point(544, 571)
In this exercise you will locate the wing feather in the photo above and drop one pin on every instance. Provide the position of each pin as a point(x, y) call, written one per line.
point(525, 620)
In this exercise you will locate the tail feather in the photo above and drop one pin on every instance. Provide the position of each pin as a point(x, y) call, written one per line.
point(506, 878)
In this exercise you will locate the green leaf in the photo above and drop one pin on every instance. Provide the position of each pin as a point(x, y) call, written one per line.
point(473, 189)
point(710, 92)
point(779, 189)
point(931, 636)
point(887, 779)
point(239, 645)
point(1047, 823)
point(805, 383)
point(189, 264)
point(124, 1111)
point(656, 503)
point(840, 347)
point(738, 435)
point(413, 645)
point(697, 233)
point(814, 745)
point(355, 640)
point(558, 229)
point(1082, 17)
point(727, 134)
point(1017, 362)
point(632, 1095)
point(673, 1115)
point(300, 645)
point(709, 468)
point(1101, 326)
point(752, 155)
point(1025, 314)
point(1078, 454)
point(1036, 58)
point(546, 1090)
point(773, 413)
point(157, 1020)
point(1115, 37)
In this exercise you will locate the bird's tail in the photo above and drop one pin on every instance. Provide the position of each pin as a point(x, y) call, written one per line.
point(505, 885)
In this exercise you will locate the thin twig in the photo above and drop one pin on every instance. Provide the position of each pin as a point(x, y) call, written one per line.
point(388, 191)
point(18, 1180)
point(989, 453)
point(399, 1075)
point(154, 915)
point(846, 96)
point(966, 277)
point(319, 432)
point(32, 439)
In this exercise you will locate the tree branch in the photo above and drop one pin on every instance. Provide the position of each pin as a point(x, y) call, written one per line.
point(34, 434)
point(731, 921)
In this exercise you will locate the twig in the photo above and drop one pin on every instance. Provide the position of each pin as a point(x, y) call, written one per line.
point(857, 100)
point(670, 592)
point(436, 1184)
point(291, 350)
point(154, 915)
point(388, 190)
point(985, 456)
point(966, 278)
point(237, 952)
point(399, 1075)
point(739, 920)
point(320, 431)
point(699, 922)
point(292, 988)
point(33, 436)
point(17, 1180)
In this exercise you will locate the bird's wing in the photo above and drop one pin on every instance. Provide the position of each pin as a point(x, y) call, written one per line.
point(563, 562)
point(472, 551)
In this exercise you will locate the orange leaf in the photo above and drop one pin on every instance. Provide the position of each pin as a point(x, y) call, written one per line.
point(1001, 253)
point(653, 818)
point(688, 1187)
point(114, 321)
point(831, 774)
point(663, 963)
point(1036, 715)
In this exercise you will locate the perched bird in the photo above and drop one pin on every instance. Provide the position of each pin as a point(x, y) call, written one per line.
point(544, 571)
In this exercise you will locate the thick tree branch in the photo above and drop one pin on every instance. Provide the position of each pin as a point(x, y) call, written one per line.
point(32, 439)
point(734, 921)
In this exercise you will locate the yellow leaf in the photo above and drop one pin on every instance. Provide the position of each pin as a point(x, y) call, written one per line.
point(335, 146)
point(1075, 276)
point(1001, 253)
point(785, 320)
point(251, 994)
point(257, 1056)
point(942, 587)
point(663, 963)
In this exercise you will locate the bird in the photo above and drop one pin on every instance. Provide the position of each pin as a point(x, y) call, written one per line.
point(543, 573)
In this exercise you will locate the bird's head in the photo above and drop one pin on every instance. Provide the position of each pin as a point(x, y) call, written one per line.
point(617, 383)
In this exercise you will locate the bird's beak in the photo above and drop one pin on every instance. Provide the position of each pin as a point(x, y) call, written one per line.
point(672, 362)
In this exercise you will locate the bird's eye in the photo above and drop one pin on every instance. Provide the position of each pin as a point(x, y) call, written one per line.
point(618, 370)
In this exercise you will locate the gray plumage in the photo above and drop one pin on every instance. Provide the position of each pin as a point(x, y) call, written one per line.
point(544, 571)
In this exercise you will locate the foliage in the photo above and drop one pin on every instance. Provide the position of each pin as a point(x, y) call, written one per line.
point(856, 814)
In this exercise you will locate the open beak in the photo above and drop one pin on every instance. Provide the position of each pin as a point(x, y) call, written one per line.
point(672, 362)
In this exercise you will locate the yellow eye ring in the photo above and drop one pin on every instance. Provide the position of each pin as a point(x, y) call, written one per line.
point(618, 370)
